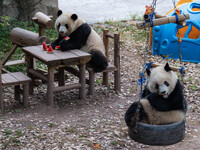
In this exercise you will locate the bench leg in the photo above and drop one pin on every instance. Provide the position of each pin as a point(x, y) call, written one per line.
point(117, 85)
point(31, 63)
point(91, 82)
point(17, 93)
point(82, 81)
point(105, 79)
point(25, 94)
point(50, 88)
point(61, 77)
point(1, 99)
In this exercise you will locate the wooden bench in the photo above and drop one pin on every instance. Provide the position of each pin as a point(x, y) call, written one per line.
point(16, 79)
point(111, 67)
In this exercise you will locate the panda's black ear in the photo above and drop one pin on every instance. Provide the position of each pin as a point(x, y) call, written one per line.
point(74, 16)
point(148, 72)
point(167, 67)
point(59, 12)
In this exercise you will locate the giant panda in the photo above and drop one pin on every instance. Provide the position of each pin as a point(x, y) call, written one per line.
point(162, 101)
point(81, 36)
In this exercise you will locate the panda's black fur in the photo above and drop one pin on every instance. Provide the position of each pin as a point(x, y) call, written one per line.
point(174, 102)
point(76, 39)
point(81, 36)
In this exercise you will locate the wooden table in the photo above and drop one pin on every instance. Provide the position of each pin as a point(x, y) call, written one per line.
point(58, 60)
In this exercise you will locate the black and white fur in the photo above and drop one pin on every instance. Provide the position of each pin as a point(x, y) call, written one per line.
point(162, 101)
point(81, 36)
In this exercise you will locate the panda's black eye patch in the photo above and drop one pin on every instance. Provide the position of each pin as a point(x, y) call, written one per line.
point(66, 25)
point(166, 83)
point(156, 86)
point(59, 25)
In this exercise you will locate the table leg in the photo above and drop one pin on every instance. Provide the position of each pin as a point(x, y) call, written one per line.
point(61, 77)
point(1, 92)
point(30, 65)
point(25, 95)
point(17, 93)
point(82, 81)
point(50, 86)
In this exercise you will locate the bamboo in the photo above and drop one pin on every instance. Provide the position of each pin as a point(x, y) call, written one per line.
point(172, 67)
point(159, 16)
point(165, 20)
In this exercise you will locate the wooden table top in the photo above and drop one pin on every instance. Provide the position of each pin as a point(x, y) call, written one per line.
point(58, 57)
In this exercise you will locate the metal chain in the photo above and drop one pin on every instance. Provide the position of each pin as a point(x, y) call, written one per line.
point(153, 4)
point(180, 55)
point(141, 88)
point(174, 2)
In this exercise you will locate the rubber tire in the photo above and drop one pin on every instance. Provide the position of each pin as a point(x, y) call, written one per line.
point(158, 134)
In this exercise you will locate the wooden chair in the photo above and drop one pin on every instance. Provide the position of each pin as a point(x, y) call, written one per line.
point(14, 79)
point(111, 67)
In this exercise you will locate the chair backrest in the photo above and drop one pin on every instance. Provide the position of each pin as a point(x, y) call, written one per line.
point(116, 38)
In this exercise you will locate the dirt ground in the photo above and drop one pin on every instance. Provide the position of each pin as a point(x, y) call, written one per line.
point(98, 121)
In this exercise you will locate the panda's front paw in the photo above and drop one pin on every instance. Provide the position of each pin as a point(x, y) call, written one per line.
point(62, 44)
point(53, 45)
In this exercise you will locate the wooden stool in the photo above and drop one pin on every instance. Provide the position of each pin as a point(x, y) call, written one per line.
point(16, 79)
point(111, 67)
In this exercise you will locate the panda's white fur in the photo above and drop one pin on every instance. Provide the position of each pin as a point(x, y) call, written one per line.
point(158, 76)
point(65, 18)
point(94, 42)
point(163, 101)
point(161, 117)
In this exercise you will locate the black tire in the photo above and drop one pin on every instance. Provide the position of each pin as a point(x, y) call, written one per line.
point(158, 134)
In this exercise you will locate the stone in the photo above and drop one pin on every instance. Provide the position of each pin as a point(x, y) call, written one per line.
point(25, 9)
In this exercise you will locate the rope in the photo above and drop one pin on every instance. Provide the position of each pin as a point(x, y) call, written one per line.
point(179, 50)
point(142, 80)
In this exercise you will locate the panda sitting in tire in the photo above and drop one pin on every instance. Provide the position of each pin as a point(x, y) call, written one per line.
point(162, 101)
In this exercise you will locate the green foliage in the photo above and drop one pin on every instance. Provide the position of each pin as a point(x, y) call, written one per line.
point(52, 124)
point(99, 81)
point(6, 25)
point(19, 133)
point(7, 131)
point(133, 16)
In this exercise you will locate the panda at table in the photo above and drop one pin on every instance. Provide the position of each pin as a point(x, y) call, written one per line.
point(162, 101)
point(80, 36)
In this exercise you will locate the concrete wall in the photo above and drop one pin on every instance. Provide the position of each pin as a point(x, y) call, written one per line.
point(25, 9)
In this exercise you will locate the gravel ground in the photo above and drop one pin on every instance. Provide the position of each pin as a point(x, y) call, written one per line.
point(98, 121)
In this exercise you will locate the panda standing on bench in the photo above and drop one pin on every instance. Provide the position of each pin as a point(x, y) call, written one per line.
point(162, 101)
point(80, 36)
